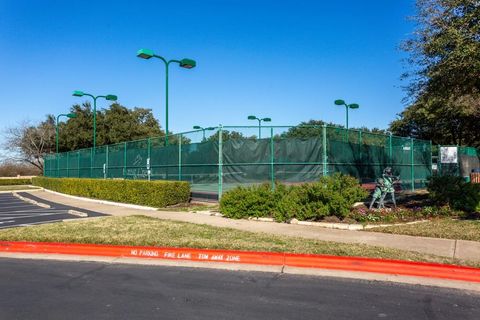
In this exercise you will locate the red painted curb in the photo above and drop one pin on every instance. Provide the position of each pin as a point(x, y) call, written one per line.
point(394, 267)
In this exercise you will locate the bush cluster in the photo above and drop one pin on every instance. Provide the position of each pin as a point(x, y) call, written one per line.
point(15, 182)
point(330, 196)
point(454, 192)
point(148, 193)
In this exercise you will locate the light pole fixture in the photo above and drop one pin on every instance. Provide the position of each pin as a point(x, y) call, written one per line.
point(259, 123)
point(203, 130)
point(340, 102)
point(109, 97)
point(184, 63)
point(68, 115)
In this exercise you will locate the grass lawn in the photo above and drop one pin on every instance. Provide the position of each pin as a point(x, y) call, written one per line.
point(146, 231)
point(192, 207)
point(13, 188)
point(438, 228)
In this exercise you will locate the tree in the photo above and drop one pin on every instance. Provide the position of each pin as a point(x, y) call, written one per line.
point(9, 168)
point(444, 88)
point(227, 135)
point(313, 128)
point(114, 125)
point(29, 143)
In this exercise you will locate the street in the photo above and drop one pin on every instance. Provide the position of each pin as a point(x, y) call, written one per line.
point(41, 289)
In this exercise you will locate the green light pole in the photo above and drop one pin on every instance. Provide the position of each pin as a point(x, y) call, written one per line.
point(340, 102)
point(68, 115)
point(259, 124)
point(184, 63)
point(203, 130)
point(109, 97)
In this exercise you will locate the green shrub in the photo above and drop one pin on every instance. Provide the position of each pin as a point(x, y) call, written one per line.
point(330, 196)
point(148, 193)
point(454, 192)
point(13, 182)
point(254, 201)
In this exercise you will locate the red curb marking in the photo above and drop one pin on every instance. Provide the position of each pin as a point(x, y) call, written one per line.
point(384, 266)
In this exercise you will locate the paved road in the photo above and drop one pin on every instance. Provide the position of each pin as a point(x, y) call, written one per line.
point(15, 212)
point(40, 289)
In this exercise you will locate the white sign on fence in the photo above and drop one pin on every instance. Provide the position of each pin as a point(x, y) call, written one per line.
point(448, 154)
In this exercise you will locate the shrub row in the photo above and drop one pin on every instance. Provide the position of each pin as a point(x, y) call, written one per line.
point(15, 182)
point(330, 196)
point(148, 193)
point(454, 192)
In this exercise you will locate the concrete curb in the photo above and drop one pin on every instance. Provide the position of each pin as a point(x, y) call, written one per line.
point(118, 204)
point(31, 201)
point(78, 213)
point(283, 260)
point(354, 226)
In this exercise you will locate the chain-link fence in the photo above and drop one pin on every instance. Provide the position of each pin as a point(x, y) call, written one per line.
point(220, 158)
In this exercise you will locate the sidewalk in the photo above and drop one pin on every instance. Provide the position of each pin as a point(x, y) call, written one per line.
point(460, 249)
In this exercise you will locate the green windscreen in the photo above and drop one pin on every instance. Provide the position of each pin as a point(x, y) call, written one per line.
point(218, 159)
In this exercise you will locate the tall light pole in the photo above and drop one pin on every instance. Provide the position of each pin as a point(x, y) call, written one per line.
point(184, 63)
point(68, 115)
point(109, 97)
point(259, 124)
point(203, 130)
point(340, 102)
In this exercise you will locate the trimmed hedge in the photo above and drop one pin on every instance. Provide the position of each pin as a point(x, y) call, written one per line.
point(330, 196)
point(147, 193)
point(15, 182)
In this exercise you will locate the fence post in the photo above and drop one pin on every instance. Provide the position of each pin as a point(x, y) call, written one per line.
point(180, 157)
point(149, 146)
point(272, 159)
point(360, 144)
point(57, 165)
point(324, 143)
point(105, 173)
point(220, 162)
point(390, 151)
point(78, 163)
point(431, 162)
point(91, 162)
point(412, 167)
point(68, 165)
point(439, 162)
point(124, 160)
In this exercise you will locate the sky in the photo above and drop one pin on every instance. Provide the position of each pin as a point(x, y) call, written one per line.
point(287, 60)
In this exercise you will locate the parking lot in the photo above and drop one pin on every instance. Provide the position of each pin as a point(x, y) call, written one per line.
point(15, 212)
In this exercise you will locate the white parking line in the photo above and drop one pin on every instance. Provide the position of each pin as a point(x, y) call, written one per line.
point(15, 207)
point(31, 211)
point(9, 221)
point(35, 215)
point(33, 223)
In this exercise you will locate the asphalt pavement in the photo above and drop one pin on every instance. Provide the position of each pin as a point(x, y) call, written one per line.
point(41, 289)
point(15, 212)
